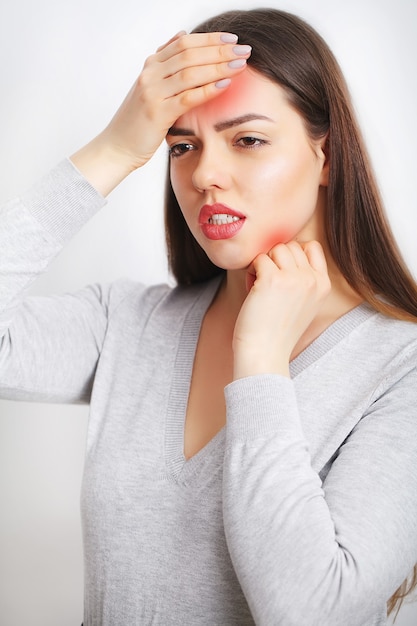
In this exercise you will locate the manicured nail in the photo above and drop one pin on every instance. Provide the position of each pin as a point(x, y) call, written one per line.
point(221, 84)
point(228, 38)
point(242, 49)
point(237, 63)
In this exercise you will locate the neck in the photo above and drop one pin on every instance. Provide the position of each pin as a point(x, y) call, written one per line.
point(233, 291)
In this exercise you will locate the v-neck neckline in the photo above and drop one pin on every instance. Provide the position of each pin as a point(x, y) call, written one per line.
point(330, 337)
point(181, 469)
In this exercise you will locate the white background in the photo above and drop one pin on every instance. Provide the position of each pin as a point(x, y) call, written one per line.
point(64, 69)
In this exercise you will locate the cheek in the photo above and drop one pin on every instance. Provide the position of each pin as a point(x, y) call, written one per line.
point(280, 234)
point(291, 180)
point(287, 199)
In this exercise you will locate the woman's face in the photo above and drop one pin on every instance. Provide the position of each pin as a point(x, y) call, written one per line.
point(245, 172)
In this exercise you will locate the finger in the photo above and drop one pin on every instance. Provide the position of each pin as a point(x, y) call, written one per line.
point(196, 58)
point(184, 99)
point(181, 43)
point(206, 76)
point(261, 268)
point(176, 36)
point(315, 255)
point(282, 256)
point(298, 253)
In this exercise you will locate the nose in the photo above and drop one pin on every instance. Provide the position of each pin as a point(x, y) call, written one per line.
point(211, 171)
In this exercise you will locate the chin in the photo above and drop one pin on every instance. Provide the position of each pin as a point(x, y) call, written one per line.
point(231, 255)
point(231, 264)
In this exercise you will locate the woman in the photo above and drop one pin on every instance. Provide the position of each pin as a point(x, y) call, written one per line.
point(252, 437)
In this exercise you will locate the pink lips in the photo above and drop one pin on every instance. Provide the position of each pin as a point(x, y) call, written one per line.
point(219, 231)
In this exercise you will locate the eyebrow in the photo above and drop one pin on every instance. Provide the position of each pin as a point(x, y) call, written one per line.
point(220, 126)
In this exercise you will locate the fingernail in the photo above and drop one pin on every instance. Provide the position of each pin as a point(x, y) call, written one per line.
point(242, 49)
point(228, 38)
point(237, 63)
point(221, 84)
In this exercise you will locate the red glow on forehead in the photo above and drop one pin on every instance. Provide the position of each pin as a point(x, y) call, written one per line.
point(243, 95)
point(239, 92)
point(250, 93)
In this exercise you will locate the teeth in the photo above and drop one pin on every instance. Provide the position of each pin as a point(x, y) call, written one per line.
point(222, 218)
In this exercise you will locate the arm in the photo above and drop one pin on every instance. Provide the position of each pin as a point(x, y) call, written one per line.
point(49, 347)
point(181, 75)
point(308, 553)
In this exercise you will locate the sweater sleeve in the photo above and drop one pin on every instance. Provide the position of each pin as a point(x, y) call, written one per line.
point(307, 553)
point(48, 346)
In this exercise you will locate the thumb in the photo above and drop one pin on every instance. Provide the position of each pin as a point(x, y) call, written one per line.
point(250, 277)
point(259, 265)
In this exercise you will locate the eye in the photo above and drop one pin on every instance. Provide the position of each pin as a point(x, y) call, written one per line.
point(249, 143)
point(180, 148)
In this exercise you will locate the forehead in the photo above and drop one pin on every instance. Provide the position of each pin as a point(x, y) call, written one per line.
point(249, 91)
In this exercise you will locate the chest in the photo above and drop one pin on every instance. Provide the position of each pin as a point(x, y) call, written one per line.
point(212, 371)
point(159, 394)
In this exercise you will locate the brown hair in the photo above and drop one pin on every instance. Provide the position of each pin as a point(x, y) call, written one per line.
point(294, 55)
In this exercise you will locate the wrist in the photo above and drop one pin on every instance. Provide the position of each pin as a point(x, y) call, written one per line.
point(102, 164)
point(254, 364)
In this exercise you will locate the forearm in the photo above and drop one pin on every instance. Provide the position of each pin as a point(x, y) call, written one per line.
point(34, 227)
point(277, 546)
point(156, 100)
point(102, 165)
point(33, 230)
point(303, 553)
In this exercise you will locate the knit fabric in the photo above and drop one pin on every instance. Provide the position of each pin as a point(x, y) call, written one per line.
point(301, 511)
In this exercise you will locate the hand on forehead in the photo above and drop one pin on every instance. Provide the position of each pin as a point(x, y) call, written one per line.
point(245, 94)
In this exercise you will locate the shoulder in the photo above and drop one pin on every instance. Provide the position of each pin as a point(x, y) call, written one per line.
point(388, 336)
point(381, 352)
point(364, 352)
point(161, 300)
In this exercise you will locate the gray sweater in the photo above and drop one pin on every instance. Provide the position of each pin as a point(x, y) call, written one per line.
point(302, 511)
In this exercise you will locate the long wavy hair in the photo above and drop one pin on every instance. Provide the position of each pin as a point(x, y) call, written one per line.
point(294, 55)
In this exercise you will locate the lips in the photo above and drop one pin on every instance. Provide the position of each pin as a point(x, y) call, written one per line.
point(218, 221)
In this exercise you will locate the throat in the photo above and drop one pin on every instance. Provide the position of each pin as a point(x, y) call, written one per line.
point(212, 371)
